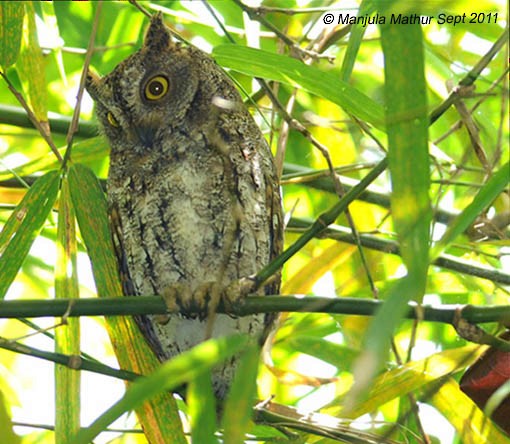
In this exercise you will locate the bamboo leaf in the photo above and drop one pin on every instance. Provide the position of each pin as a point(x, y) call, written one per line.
point(355, 40)
point(24, 225)
point(67, 336)
point(407, 378)
point(407, 123)
point(258, 63)
point(31, 67)
point(6, 430)
point(159, 416)
point(90, 151)
point(469, 421)
point(202, 409)
point(238, 407)
point(11, 25)
point(338, 355)
point(303, 279)
point(485, 196)
point(168, 376)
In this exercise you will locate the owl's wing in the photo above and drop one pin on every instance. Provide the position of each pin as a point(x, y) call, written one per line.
point(118, 245)
point(144, 322)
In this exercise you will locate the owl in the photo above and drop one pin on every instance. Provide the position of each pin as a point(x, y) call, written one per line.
point(192, 193)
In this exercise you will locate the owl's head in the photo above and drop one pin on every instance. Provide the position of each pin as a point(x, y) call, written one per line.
point(146, 94)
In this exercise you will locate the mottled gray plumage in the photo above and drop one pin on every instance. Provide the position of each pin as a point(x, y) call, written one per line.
point(192, 190)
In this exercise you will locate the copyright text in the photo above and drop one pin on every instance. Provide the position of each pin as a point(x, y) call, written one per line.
point(410, 19)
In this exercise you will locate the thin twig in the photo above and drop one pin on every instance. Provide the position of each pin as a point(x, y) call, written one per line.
point(46, 136)
point(470, 77)
point(388, 246)
point(140, 8)
point(295, 49)
point(262, 10)
point(76, 114)
point(457, 125)
point(320, 224)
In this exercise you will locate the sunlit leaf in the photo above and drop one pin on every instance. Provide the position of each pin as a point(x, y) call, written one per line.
point(24, 225)
point(159, 416)
point(202, 409)
point(407, 123)
point(6, 430)
point(238, 406)
point(67, 336)
point(11, 24)
point(469, 421)
point(31, 67)
point(169, 376)
point(412, 377)
point(89, 152)
point(260, 63)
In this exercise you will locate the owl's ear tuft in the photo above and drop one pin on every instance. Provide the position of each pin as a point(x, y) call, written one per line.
point(92, 83)
point(158, 35)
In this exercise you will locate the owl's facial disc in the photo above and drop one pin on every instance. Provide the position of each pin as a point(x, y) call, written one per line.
point(145, 135)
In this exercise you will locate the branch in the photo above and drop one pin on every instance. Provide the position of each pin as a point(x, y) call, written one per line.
point(343, 234)
point(470, 78)
point(144, 305)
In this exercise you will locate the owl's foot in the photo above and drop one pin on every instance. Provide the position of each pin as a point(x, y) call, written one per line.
point(205, 299)
point(236, 291)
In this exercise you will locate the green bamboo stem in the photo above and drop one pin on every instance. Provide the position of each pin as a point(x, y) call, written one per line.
point(136, 305)
point(74, 362)
point(17, 116)
point(322, 222)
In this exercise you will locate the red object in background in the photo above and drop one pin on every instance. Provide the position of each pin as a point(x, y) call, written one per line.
point(484, 377)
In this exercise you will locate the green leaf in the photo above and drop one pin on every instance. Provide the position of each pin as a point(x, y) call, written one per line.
point(202, 409)
point(355, 40)
point(159, 417)
point(338, 355)
point(67, 336)
point(91, 211)
point(327, 85)
point(31, 67)
point(11, 25)
point(485, 196)
point(169, 376)
point(408, 378)
point(239, 404)
point(6, 430)
point(89, 151)
point(472, 426)
point(407, 126)
point(24, 225)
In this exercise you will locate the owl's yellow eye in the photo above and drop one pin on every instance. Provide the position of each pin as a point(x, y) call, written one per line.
point(156, 88)
point(112, 120)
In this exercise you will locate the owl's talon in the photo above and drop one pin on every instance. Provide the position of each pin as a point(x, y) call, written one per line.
point(205, 298)
point(236, 291)
point(205, 294)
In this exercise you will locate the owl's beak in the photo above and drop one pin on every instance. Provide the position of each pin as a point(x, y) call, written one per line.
point(145, 135)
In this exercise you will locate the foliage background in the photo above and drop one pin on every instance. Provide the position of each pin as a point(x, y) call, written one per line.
point(314, 355)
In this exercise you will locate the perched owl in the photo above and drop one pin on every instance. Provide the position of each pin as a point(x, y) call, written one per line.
point(192, 191)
